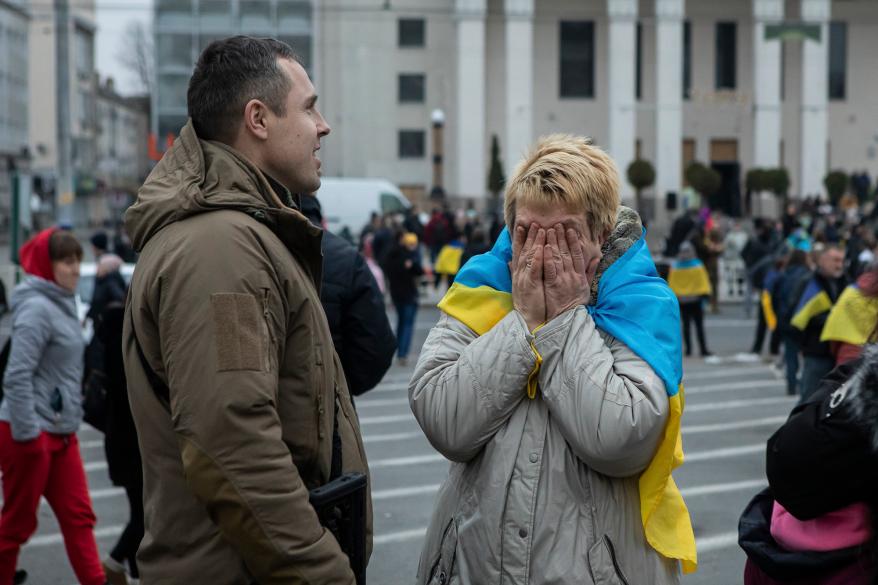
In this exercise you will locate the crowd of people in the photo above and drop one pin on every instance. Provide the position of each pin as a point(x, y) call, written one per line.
point(223, 375)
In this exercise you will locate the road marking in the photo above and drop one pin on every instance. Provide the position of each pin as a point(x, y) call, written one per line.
point(95, 466)
point(382, 402)
point(707, 544)
point(722, 488)
point(403, 461)
point(395, 387)
point(417, 490)
point(745, 424)
point(368, 439)
point(388, 418)
point(750, 385)
point(740, 404)
point(57, 538)
point(401, 536)
point(91, 444)
point(723, 453)
point(734, 372)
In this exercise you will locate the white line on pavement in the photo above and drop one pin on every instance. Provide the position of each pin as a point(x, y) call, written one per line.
point(389, 418)
point(91, 444)
point(744, 424)
point(416, 490)
point(707, 544)
point(57, 538)
point(95, 466)
point(739, 404)
point(722, 488)
point(367, 439)
point(382, 402)
point(394, 387)
point(749, 385)
point(403, 461)
point(707, 374)
point(401, 536)
point(723, 453)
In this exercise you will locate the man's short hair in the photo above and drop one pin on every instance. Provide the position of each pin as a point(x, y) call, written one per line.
point(571, 171)
point(231, 72)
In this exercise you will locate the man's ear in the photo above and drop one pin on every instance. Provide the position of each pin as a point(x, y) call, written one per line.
point(255, 123)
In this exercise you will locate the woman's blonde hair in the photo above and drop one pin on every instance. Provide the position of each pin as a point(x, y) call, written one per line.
point(571, 171)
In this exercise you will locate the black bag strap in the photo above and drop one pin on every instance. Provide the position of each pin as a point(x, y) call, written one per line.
point(336, 464)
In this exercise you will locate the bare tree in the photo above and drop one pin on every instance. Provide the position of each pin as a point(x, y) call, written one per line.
point(137, 55)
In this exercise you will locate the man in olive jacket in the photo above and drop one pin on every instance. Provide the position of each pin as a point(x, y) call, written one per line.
point(233, 381)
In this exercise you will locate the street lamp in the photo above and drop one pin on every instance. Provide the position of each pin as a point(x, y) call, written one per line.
point(438, 119)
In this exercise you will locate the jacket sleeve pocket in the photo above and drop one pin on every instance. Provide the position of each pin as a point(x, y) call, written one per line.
point(239, 329)
point(443, 567)
point(603, 564)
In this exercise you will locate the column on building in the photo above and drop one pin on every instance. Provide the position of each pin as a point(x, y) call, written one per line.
point(669, 104)
point(519, 80)
point(470, 120)
point(766, 85)
point(621, 46)
point(815, 122)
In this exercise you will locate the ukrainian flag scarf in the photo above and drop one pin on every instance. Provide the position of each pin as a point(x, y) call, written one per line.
point(852, 319)
point(636, 306)
point(814, 301)
point(688, 278)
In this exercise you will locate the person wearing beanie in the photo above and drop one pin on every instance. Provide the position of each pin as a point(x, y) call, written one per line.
point(403, 269)
point(690, 281)
point(100, 244)
point(42, 409)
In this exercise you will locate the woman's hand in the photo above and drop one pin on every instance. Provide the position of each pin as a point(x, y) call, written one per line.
point(570, 265)
point(528, 296)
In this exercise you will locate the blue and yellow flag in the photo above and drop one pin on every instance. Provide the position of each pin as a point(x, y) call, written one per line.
point(448, 260)
point(637, 307)
point(852, 319)
point(688, 278)
point(814, 301)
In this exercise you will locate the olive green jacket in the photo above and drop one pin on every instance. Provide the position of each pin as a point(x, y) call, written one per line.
point(225, 307)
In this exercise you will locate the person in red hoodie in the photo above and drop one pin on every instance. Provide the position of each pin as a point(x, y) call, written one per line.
point(42, 410)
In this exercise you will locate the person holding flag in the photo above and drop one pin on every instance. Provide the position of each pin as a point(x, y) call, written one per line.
point(853, 321)
point(552, 383)
point(815, 297)
point(689, 280)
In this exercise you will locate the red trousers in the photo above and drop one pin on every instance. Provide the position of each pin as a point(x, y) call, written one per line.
point(48, 466)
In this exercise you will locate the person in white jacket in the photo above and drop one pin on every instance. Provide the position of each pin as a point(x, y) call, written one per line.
point(548, 420)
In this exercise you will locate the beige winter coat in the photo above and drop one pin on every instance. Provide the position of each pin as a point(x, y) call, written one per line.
point(544, 491)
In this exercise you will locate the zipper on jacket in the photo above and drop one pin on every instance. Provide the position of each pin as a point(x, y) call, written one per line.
point(266, 317)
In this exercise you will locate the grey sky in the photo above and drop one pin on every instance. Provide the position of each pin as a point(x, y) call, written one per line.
point(113, 16)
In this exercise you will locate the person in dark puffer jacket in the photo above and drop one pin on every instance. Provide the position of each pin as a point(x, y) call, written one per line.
point(354, 308)
point(816, 523)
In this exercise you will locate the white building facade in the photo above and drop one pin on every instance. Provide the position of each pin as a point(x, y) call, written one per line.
point(736, 84)
point(14, 23)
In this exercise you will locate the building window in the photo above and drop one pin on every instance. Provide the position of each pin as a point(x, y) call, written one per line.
point(255, 15)
point(726, 55)
point(638, 79)
point(294, 18)
point(412, 32)
point(577, 59)
point(175, 50)
point(412, 143)
point(411, 88)
point(216, 13)
point(838, 56)
point(687, 60)
point(301, 46)
point(84, 53)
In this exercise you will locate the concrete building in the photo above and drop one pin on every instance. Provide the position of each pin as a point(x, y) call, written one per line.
point(122, 152)
point(732, 83)
point(44, 106)
point(14, 23)
point(183, 28)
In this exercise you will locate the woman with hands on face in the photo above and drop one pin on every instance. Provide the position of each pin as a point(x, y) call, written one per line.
point(540, 393)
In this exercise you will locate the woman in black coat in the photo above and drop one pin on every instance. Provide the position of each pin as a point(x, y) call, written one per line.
point(120, 443)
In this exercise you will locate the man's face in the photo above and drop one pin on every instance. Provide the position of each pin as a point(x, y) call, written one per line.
point(294, 139)
point(831, 263)
point(547, 216)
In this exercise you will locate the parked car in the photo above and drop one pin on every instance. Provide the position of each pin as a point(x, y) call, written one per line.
point(85, 291)
point(350, 202)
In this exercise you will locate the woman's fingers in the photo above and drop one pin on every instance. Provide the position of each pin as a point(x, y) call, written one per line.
point(564, 247)
point(577, 254)
point(527, 252)
point(518, 236)
point(535, 264)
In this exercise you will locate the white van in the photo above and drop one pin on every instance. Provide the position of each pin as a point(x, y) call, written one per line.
point(351, 202)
